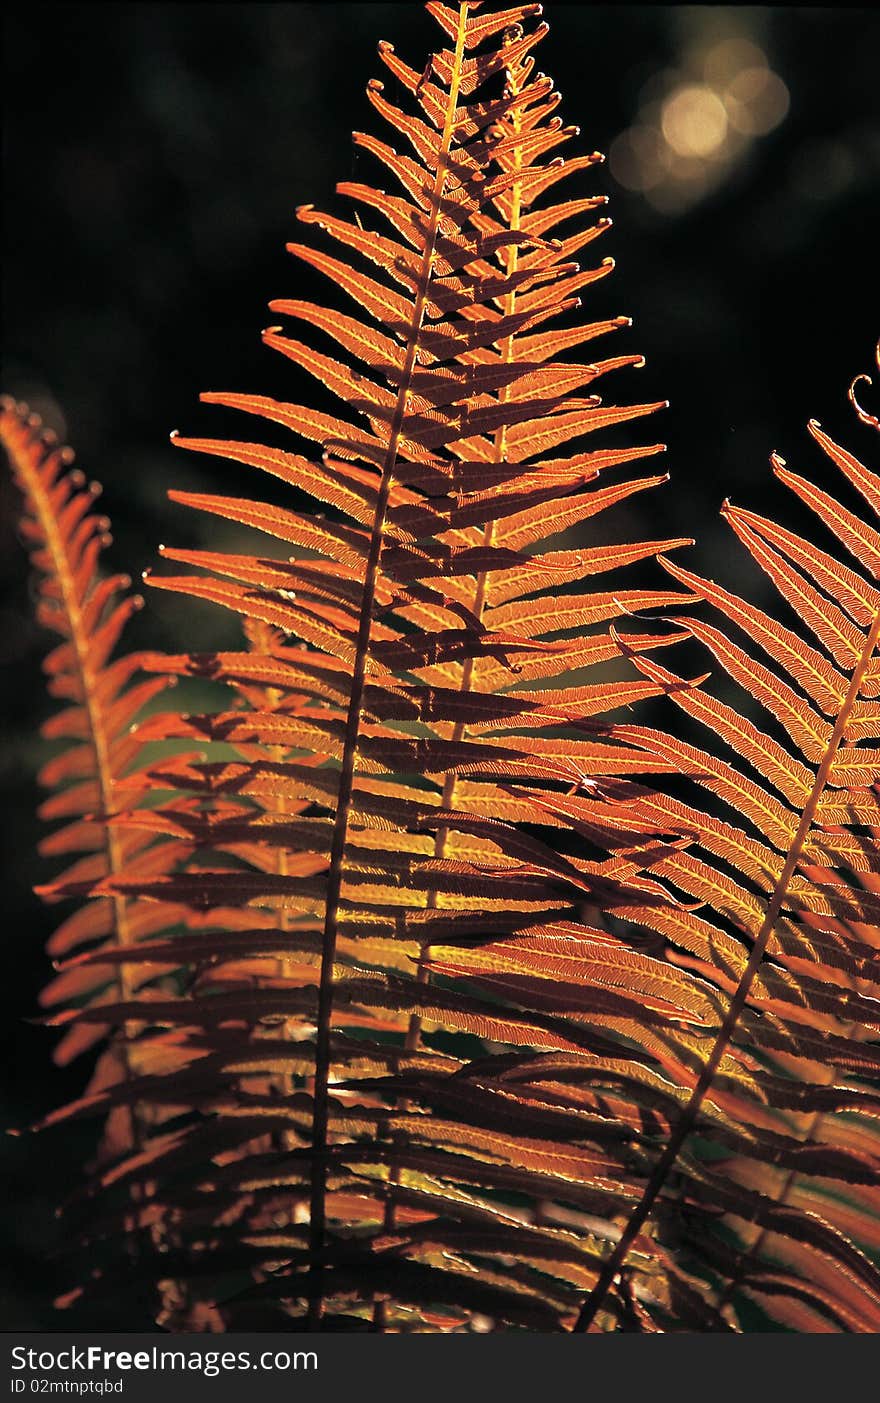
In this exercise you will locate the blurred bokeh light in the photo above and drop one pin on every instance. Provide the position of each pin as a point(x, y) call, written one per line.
point(697, 120)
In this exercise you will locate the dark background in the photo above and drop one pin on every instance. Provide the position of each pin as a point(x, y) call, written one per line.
point(154, 155)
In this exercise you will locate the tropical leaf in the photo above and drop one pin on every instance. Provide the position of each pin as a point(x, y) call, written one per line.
point(785, 876)
point(101, 695)
point(418, 676)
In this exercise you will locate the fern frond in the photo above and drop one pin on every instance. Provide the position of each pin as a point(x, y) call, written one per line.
point(785, 930)
point(65, 537)
point(99, 754)
point(429, 673)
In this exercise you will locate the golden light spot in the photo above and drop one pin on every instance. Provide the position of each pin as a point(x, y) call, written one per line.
point(756, 100)
point(724, 60)
point(694, 120)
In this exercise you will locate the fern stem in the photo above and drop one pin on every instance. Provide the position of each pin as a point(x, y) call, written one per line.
point(459, 731)
point(511, 260)
point(688, 1117)
point(317, 1223)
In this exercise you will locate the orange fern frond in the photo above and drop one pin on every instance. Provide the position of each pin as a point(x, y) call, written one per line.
point(785, 930)
point(99, 769)
point(418, 689)
point(65, 537)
